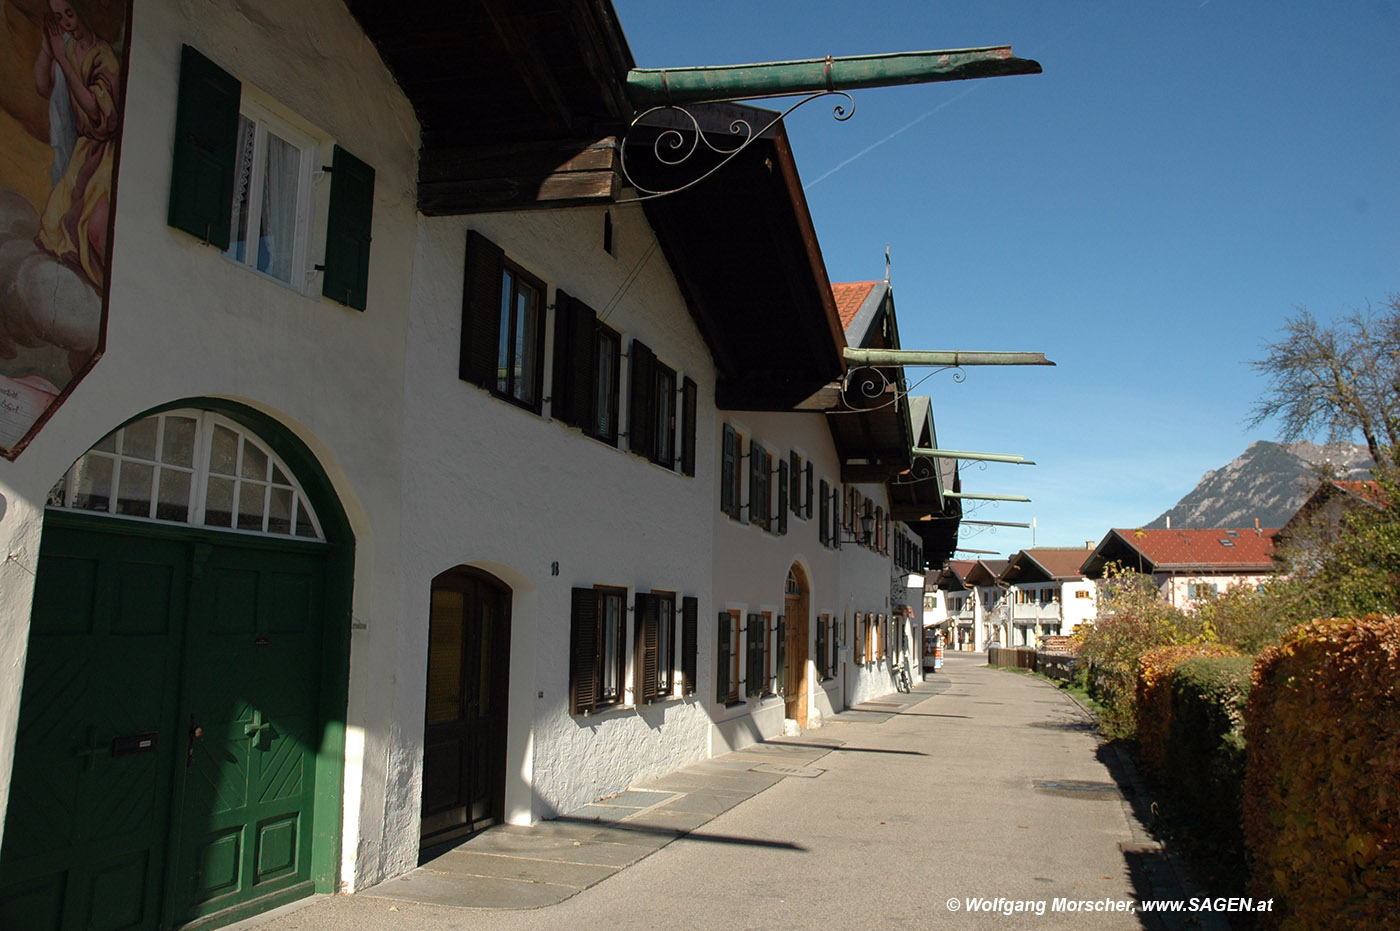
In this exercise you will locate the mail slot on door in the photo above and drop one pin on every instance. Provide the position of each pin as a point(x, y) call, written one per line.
point(134, 743)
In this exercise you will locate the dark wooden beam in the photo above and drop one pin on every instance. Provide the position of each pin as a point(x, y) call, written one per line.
point(550, 174)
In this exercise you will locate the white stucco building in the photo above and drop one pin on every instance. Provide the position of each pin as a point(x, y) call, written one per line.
point(1046, 594)
point(417, 472)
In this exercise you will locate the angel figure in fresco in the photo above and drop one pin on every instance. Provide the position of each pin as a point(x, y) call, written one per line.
point(84, 69)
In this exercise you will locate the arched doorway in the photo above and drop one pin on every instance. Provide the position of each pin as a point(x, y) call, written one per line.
point(181, 725)
point(464, 731)
point(795, 609)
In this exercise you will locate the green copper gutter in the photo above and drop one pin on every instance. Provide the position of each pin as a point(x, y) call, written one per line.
point(856, 356)
point(972, 457)
point(659, 87)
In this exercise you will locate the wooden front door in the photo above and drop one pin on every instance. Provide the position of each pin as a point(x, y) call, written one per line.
point(164, 765)
point(464, 734)
point(795, 651)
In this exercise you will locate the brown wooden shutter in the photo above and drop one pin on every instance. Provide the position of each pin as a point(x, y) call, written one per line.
point(823, 531)
point(481, 311)
point(206, 149)
point(756, 675)
point(724, 664)
point(758, 485)
point(641, 403)
point(782, 496)
point(689, 413)
point(729, 471)
point(575, 361)
point(690, 643)
point(780, 667)
point(583, 651)
point(646, 646)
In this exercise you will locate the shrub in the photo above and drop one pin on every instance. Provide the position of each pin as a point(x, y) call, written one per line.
point(1322, 786)
point(1154, 695)
point(1205, 748)
point(1132, 619)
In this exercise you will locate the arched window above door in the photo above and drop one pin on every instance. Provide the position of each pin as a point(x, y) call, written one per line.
point(189, 467)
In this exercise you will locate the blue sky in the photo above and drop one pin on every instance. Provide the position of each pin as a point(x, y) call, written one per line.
point(1146, 213)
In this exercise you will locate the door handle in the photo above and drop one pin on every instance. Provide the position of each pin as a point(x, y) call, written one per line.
point(195, 733)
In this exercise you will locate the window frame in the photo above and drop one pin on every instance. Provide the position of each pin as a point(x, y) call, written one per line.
point(727, 657)
point(591, 657)
point(507, 337)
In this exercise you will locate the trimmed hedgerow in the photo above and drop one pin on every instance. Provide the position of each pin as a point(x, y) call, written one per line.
point(1155, 671)
point(1322, 785)
point(1205, 747)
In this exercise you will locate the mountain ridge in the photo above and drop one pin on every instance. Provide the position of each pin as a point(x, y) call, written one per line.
point(1267, 482)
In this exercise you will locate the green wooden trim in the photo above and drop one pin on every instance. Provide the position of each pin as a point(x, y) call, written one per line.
point(206, 149)
point(348, 227)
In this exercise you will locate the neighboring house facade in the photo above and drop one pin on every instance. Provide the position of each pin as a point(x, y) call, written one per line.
point(975, 612)
point(1187, 565)
point(1320, 517)
point(417, 488)
point(1046, 594)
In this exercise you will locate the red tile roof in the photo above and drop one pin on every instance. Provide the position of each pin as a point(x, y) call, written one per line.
point(849, 296)
point(1223, 548)
point(1367, 491)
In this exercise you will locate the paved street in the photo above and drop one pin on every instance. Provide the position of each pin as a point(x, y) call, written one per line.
point(983, 784)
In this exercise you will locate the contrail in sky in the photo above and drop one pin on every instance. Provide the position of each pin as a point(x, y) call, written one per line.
point(905, 128)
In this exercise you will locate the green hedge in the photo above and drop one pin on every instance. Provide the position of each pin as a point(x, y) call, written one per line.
point(1205, 748)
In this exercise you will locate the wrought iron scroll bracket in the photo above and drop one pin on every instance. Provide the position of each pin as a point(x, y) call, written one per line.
point(861, 386)
point(672, 149)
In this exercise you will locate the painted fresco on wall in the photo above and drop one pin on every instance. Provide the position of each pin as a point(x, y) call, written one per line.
point(62, 68)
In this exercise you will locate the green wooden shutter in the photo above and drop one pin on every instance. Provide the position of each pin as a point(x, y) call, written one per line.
point(583, 651)
point(575, 361)
point(808, 507)
point(689, 413)
point(724, 687)
point(481, 311)
point(782, 496)
point(758, 485)
point(645, 647)
point(729, 470)
point(641, 403)
point(348, 227)
point(206, 149)
point(690, 643)
point(835, 518)
point(823, 528)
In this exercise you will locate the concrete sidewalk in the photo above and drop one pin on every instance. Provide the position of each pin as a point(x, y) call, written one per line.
point(980, 785)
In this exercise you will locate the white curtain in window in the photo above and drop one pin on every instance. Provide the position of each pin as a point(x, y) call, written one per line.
point(277, 238)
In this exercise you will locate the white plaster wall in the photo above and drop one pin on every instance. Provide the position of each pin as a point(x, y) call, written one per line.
point(1077, 610)
point(185, 322)
point(751, 567)
point(490, 485)
point(1176, 588)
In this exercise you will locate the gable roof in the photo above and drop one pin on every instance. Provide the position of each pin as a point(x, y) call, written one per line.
point(1242, 550)
point(850, 295)
point(1045, 564)
point(986, 572)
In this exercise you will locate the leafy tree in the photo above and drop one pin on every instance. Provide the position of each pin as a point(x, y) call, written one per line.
point(1339, 380)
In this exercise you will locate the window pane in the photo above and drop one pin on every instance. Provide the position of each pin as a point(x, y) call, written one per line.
point(223, 452)
point(242, 182)
point(177, 443)
point(605, 391)
point(526, 331)
point(218, 503)
point(305, 528)
point(611, 679)
point(279, 511)
point(254, 462)
point(134, 489)
point(92, 483)
point(445, 657)
point(250, 505)
point(277, 233)
point(139, 439)
point(503, 350)
point(665, 418)
point(173, 502)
